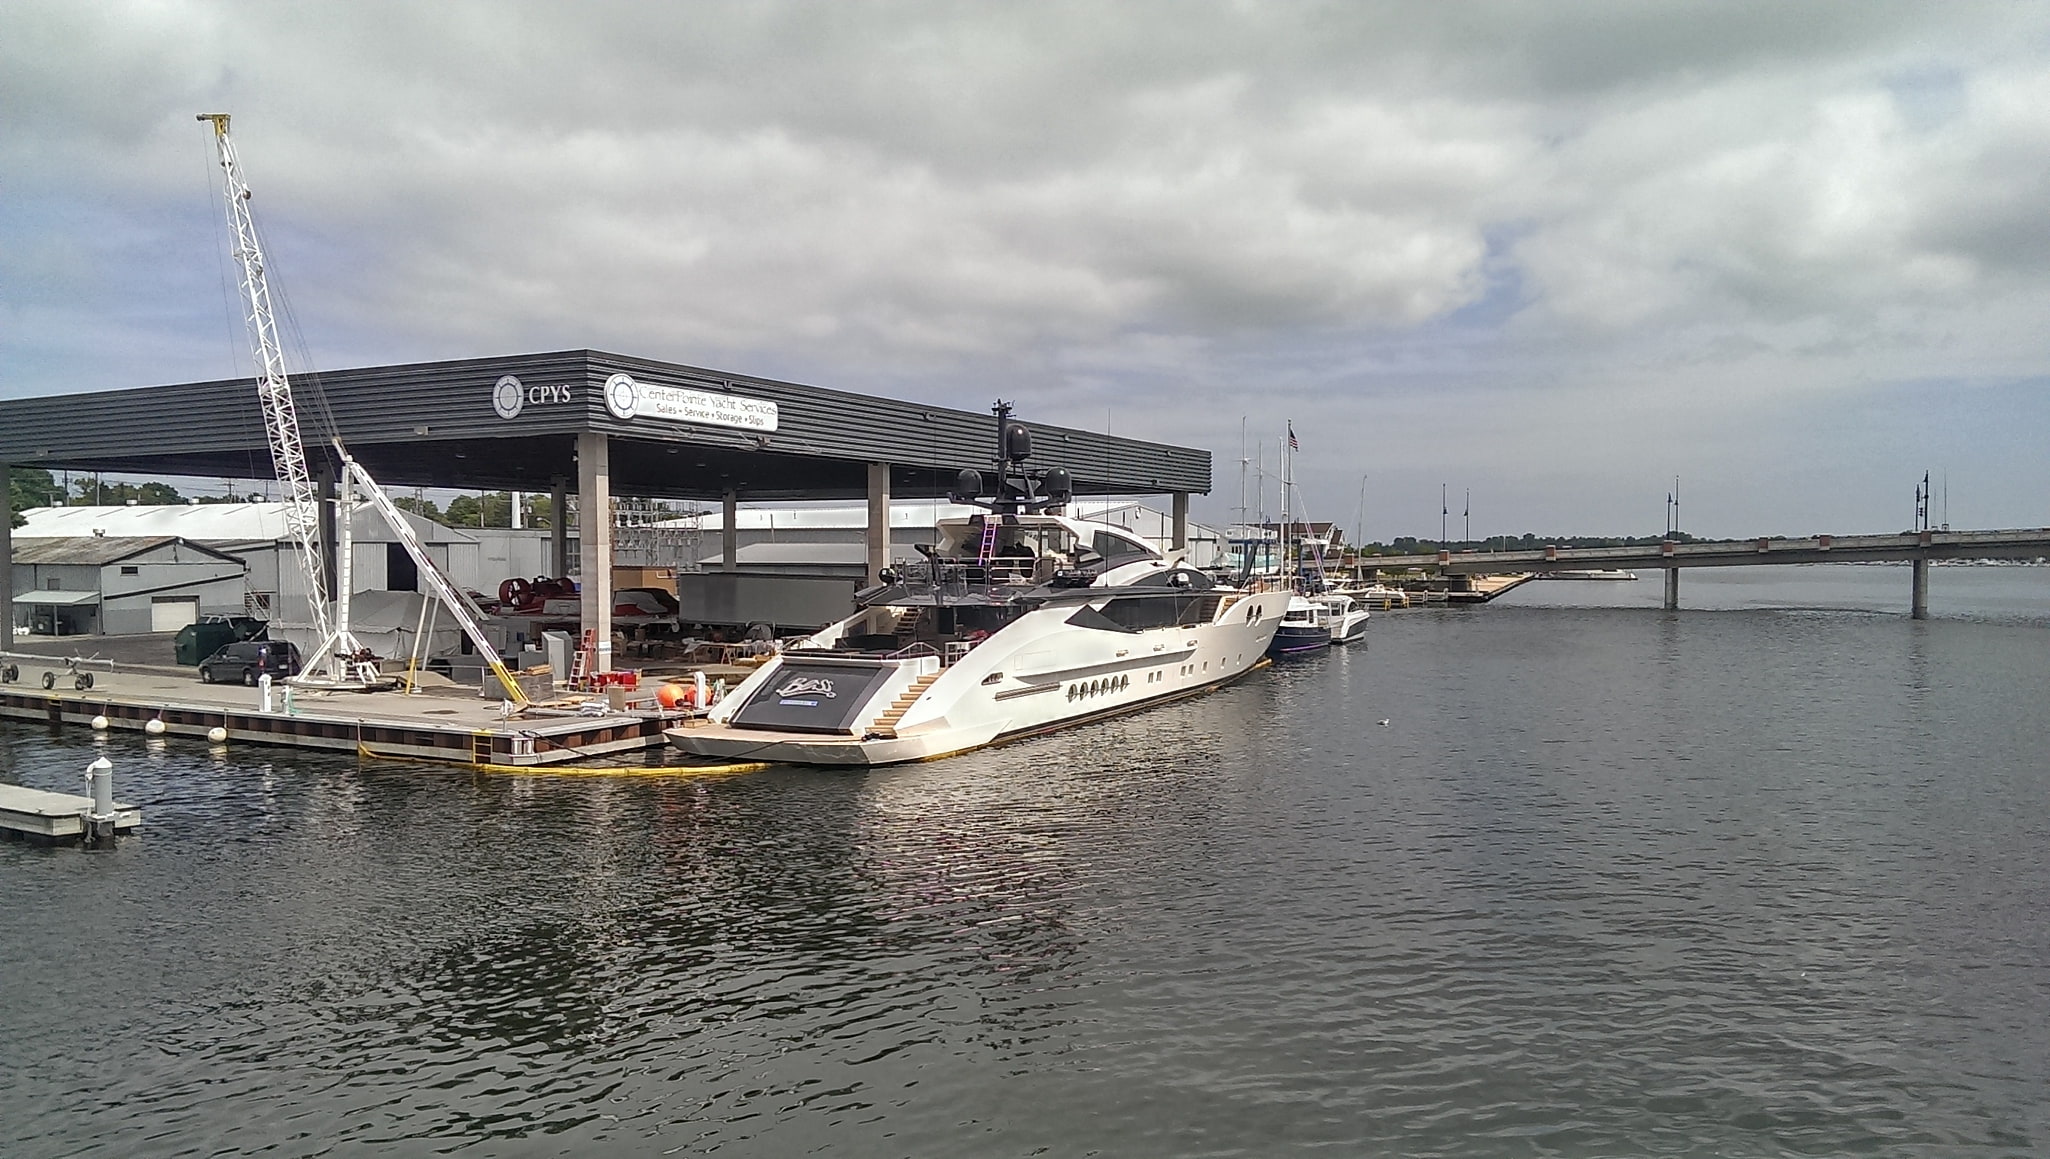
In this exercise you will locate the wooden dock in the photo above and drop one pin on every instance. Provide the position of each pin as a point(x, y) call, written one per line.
point(40, 815)
point(451, 725)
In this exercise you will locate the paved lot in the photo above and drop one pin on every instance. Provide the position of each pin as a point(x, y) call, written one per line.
point(151, 650)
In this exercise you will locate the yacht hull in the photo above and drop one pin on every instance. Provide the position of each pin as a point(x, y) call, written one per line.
point(1291, 640)
point(1037, 675)
point(1352, 626)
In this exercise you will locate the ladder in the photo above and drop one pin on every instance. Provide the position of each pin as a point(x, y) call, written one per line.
point(989, 542)
point(580, 664)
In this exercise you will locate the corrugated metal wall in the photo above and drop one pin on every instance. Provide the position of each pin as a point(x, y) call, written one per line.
point(433, 424)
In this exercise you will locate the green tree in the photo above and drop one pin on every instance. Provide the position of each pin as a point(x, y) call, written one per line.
point(419, 506)
point(31, 487)
point(490, 510)
point(99, 492)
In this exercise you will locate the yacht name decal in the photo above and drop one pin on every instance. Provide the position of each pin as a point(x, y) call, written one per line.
point(822, 685)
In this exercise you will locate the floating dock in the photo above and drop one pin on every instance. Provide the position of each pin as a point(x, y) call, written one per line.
point(446, 725)
point(40, 815)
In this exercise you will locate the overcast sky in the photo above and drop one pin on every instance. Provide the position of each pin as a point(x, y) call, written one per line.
point(1551, 254)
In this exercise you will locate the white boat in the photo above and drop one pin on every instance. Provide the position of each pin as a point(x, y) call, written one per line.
point(1347, 616)
point(1304, 627)
point(1376, 597)
point(1589, 574)
point(1018, 621)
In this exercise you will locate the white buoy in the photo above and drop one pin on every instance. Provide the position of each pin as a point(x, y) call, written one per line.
point(155, 727)
point(99, 724)
point(217, 734)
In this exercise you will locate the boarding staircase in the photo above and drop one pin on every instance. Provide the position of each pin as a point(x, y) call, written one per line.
point(906, 629)
point(885, 726)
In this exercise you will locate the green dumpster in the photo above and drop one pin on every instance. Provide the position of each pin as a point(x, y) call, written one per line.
point(195, 642)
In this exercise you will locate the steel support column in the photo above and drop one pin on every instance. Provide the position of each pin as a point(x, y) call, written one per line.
point(594, 540)
point(1181, 520)
point(878, 520)
point(558, 527)
point(729, 534)
point(1672, 589)
point(6, 558)
point(1919, 607)
point(324, 483)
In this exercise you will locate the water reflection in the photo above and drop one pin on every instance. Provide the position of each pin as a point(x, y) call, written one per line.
point(1603, 883)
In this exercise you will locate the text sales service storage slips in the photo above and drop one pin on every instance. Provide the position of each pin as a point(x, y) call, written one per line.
point(628, 399)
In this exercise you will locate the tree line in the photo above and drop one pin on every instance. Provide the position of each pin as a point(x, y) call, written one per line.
point(1528, 541)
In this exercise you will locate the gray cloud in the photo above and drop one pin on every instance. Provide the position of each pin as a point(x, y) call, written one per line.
point(1443, 232)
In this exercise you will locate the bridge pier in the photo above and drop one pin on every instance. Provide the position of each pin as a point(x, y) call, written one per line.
point(1919, 606)
point(1672, 589)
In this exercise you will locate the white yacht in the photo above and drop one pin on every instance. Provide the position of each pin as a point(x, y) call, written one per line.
point(1348, 616)
point(1613, 573)
point(1019, 621)
point(1375, 596)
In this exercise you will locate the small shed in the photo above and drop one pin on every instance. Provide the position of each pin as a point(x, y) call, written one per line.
point(118, 585)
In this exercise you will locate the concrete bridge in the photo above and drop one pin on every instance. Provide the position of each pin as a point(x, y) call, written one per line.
point(1916, 547)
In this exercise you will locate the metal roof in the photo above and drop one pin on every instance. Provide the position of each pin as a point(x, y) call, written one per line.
point(220, 523)
point(57, 599)
point(447, 424)
point(100, 551)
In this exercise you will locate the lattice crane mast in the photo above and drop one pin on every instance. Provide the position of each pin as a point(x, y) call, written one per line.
point(341, 660)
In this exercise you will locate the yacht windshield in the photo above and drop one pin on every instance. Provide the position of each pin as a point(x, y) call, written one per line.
point(1025, 539)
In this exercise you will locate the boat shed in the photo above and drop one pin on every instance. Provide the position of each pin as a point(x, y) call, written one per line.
point(580, 422)
point(123, 584)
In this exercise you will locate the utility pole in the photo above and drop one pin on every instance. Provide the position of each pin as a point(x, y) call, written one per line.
point(1469, 515)
point(1444, 514)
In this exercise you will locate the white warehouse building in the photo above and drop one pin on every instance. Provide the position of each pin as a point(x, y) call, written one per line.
point(155, 568)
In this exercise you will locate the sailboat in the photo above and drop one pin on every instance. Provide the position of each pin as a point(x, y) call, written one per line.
point(1317, 616)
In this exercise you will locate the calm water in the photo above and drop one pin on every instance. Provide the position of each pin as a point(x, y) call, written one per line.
point(1606, 882)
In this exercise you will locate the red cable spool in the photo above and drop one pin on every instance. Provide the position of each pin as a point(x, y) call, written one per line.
point(513, 591)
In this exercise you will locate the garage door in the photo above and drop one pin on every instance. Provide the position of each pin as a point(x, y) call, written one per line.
point(170, 613)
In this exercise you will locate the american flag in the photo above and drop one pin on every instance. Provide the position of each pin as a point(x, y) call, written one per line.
point(1292, 444)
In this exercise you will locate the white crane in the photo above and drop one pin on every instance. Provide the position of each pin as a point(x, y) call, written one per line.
point(341, 661)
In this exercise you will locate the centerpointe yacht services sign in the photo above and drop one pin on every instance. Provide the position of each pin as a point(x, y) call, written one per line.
point(628, 399)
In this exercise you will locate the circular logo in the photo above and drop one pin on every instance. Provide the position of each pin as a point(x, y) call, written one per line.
point(508, 397)
point(621, 395)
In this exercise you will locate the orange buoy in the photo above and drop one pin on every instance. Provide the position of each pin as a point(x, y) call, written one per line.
point(676, 695)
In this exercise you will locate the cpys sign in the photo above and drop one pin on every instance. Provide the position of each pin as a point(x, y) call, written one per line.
point(628, 399)
point(510, 396)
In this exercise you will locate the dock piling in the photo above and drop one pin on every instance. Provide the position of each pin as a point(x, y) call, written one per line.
point(1919, 606)
point(99, 779)
point(1672, 589)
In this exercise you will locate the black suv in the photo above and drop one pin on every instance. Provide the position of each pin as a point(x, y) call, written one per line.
point(248, 659)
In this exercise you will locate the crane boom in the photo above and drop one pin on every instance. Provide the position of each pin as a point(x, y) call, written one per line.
point(273, 387)
point(340, 661)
